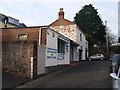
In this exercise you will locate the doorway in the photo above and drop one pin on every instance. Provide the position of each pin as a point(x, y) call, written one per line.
point(80, 54)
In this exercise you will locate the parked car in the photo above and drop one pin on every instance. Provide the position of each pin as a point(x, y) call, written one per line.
point(115, 74)
point(115, 58)
point(97, 56)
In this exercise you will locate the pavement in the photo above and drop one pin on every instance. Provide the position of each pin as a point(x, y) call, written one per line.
point(10, 81)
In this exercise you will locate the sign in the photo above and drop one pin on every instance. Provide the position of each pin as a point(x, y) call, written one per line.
point(52, 53)
point(63, 38)
point(51, 50)
point(53, 34)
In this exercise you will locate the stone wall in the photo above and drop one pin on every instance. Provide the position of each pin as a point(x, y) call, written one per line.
point(67, 30)
point(19, 57)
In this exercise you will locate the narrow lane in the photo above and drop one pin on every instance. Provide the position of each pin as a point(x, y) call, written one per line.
point(87, 74)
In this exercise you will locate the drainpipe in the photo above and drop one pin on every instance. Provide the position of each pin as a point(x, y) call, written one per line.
point(39, 36)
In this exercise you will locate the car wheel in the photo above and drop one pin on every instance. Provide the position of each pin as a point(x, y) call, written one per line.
point(89, 59)
point(101, 58)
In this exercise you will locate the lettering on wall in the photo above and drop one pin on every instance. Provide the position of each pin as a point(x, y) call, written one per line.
point(61, 56)
point(52, 53)
point(63, 38)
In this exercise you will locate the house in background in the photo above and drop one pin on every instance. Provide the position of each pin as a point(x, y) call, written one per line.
point(7, 21)
point(70, 30)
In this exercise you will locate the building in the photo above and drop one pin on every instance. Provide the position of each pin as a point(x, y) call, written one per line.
point(7, 21)
point(53, 49)
point(40, 49)
point(70, 30)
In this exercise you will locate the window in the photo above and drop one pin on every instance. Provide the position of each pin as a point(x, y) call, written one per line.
point(117, 67)
point(22, 37)
point(61, 46)
point(80, 37)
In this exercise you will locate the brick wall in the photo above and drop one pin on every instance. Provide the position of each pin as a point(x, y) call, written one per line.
point(43, 36)
point(65, 27)
point(16, 58)
point(11, 34)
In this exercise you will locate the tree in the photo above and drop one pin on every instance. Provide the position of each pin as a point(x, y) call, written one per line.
point(112, 38)
point(90, 23)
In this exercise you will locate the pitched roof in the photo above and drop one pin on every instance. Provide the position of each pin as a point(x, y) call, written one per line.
point(24, 27)
point(60, 22)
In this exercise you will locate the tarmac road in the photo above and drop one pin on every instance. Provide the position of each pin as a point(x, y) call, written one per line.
point(86, 74)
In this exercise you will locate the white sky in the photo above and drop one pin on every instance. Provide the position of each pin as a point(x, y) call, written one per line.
point(44, 12)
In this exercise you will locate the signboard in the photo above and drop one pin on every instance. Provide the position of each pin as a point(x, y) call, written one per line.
point(51, 53)
point(63, 38)
point(53, 34)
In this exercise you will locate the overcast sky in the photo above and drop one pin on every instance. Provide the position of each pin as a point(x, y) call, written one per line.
point(44, 12)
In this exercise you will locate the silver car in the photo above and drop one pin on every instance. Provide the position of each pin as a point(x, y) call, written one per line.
point(115, 74)
point(97, 56)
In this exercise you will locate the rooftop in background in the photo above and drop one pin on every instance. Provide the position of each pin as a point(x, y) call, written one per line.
point(24, 27)
point(8, 21)
point(61, 20)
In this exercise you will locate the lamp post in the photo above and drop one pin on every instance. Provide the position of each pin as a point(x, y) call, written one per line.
point(107, 40)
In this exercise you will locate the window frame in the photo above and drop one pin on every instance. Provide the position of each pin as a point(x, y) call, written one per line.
point(61, 46)
point(117, 67)
point(80, 37)
point(20, 35)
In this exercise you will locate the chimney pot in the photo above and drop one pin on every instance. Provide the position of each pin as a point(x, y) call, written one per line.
point(61, 13)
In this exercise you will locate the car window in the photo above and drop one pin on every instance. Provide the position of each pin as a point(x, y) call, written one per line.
point(99, 54)
point(117, 66)
point(119, 74)
point(94, 55)
point(115, 58)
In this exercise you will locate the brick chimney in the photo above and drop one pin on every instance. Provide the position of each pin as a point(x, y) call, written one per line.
point(61, 13)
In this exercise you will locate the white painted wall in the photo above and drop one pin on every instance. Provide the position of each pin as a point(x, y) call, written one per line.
point(52, 47)
point(83, 44)
point(51, 44)
point(41, 59)
point(66, 60)
point(75, 54)
point(72, 32)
